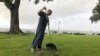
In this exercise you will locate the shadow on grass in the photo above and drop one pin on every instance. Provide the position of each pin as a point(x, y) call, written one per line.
point(46, 52)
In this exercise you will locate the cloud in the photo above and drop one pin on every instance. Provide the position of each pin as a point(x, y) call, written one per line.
point(77, 22)
point(70, 7)
point(73, 14)
point(28, 10)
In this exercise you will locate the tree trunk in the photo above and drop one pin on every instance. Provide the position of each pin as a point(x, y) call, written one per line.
point(14, 24)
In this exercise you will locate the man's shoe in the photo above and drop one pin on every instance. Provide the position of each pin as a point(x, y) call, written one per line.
point(33, 50)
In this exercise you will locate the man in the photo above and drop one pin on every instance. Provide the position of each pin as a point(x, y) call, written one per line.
point(43, 21)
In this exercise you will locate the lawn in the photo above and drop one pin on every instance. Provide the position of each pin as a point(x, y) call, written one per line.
point(68, 45)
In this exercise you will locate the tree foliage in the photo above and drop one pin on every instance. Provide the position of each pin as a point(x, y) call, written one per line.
point(96, 13)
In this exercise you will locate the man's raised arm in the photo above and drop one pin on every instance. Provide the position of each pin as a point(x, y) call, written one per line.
point(41, 10)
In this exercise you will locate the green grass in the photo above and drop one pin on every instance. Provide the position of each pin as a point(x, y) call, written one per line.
point(68, 45)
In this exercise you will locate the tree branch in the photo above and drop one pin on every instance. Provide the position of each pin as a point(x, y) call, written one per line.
point(1, 0)
point(8, 3)
point(17, 3)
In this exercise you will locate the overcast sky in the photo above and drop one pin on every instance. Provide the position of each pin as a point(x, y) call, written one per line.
point(72, 14)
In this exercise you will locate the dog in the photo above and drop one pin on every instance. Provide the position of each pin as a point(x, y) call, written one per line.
point(51, 46)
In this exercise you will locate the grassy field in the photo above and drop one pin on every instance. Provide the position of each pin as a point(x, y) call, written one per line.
point(68, 45)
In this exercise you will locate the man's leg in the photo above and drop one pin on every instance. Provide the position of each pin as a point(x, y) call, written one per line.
point(33, 47)
point(40, 41)
point(36, 45)
point(36, 41)
point(33, 42)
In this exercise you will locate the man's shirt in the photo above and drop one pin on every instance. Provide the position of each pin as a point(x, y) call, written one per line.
point(43, 20)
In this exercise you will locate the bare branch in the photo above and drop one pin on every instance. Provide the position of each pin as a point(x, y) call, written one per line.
point(37, 1)
point(8, 3)
point(1, 0)
point(17, 3)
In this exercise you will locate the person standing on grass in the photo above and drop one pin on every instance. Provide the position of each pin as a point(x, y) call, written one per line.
point(43, 21)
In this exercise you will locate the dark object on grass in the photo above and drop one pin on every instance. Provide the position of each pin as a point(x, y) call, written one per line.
point(51, 46)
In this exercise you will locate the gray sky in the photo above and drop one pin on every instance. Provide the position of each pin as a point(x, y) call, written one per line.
point(73, 15)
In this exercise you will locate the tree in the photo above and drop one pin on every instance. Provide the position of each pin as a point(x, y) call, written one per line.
point(96, 13)
point(13, 6)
